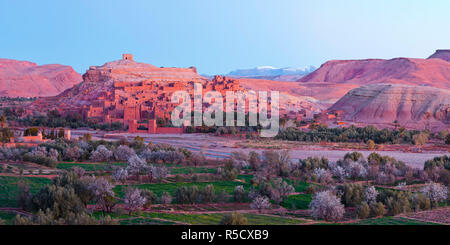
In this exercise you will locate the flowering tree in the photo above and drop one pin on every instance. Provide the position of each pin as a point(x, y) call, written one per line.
point(101, 154)
point(371, 194)
point(325, 205)
point(436, 192)
point(166, 198)
point(356, 169)
point(323, 175)
point(133, 200)
point(136, 166)
point(123, 153)
point(339, 172)
point(53, 154)
point(103, 193)
point(260, 203)
point(73, 153)
point(156, 173)
point(80, 172)
point(120, 175)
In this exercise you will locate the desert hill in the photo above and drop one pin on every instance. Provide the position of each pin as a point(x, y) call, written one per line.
point(27, 79)
point(411, 106)
point(407, 71)
point(443, 54)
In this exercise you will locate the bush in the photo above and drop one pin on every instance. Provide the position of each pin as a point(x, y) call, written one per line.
point(363, 210)
point(420, 202)
point(166, 198)
point(377, 209)
point(312, 163)
point(229, 172)
point(239, 194)
point(397, 202)
point(42, 160)
point(438, 162)
point(150, 197)
point(234, 219)
point(207, 194)
point(187, 195)
point(352, 194)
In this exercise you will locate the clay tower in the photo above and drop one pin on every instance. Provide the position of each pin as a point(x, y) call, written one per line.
point(127, 57)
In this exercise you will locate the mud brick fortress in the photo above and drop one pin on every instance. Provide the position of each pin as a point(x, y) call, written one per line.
point(133, 94)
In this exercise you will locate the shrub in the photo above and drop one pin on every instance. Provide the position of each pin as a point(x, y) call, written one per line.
point(443, 161)
point(150, 197)
point(187, 195)
point(377, 209)
point(239, 194)
point(234, 219)
point(42, 160)
point(397, 202)
point(166, 198)
point(420, 202)
point(370, 144)
point(207, 194)
point(352, 194)
point(311, 163)
point(229, 172)
point(363, 210)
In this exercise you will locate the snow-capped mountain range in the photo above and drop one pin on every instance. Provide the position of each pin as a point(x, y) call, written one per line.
point(270, 71)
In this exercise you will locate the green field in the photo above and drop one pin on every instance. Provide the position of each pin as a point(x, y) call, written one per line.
point(391, 221)
point(9, 188)
point(298, 185)
point(215, 218)
point(188, 170)
point(90, 166)
point(7, 217)
point(158, 189)
point(297, 201)
point(144, 221)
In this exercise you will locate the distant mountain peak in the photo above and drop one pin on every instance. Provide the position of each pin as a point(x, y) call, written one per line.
point(270, 71)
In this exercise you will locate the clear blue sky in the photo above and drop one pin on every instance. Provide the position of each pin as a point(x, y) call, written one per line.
point(219, 36)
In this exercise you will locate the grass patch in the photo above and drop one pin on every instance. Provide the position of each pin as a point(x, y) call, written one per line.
point(215, 218)
point(7, 217)
point(158, 189)
point(90, 166)
point(144, 221)
point(188, 170)
point(391, 221)
point(294, 202)
point(9, 188)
